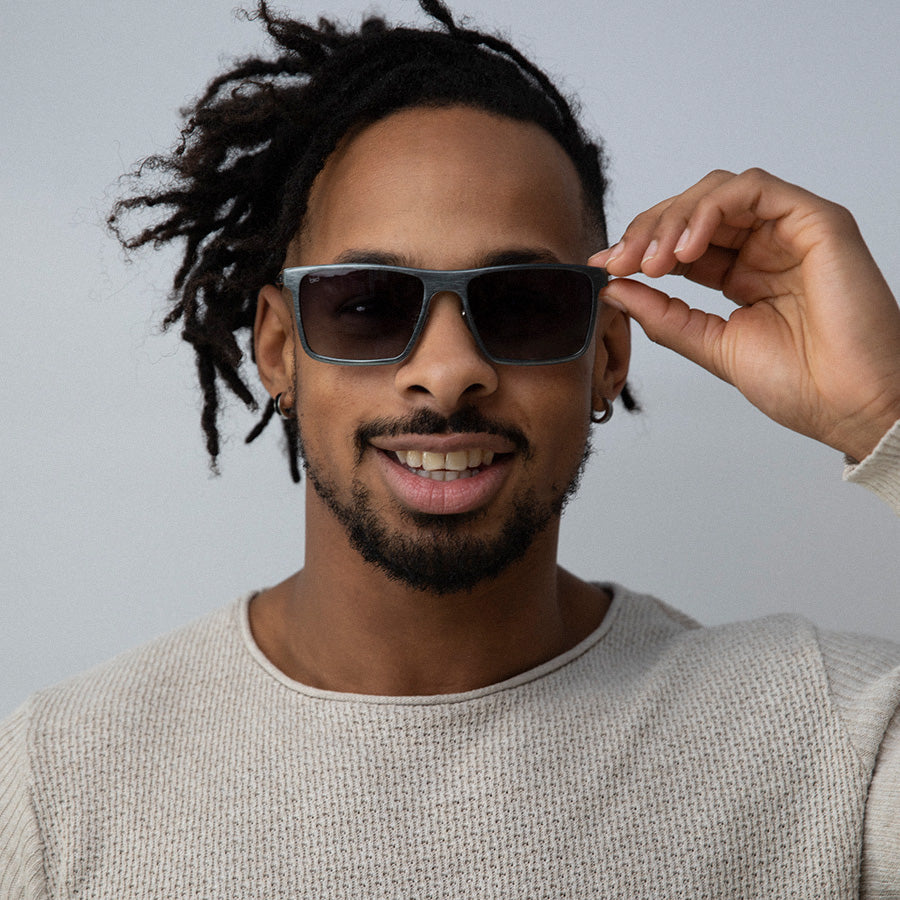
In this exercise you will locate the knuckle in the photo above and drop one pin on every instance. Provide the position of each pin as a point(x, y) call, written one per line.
point(675, 215)
point(642, 226)
point(756, 175)
point(718, 175)
point(843, 222)
point(841, 215)
point(671, 322)
point(653, 333)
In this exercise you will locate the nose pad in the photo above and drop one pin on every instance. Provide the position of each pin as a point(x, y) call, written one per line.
point(446, 362)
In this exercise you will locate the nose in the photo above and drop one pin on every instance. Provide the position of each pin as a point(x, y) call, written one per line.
point(446, 364)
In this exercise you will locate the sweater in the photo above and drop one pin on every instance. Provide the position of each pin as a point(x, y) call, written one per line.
point(654, 759)
point(657, 758)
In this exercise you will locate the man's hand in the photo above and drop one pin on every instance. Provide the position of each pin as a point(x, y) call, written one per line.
point(815, 340)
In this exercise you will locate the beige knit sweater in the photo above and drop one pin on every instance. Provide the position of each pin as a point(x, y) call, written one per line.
point(655, 759)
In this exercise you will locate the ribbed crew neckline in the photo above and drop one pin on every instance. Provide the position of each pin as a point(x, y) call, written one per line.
point(242, 613)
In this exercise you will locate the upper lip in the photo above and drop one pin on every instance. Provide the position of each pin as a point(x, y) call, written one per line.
point(443, 443)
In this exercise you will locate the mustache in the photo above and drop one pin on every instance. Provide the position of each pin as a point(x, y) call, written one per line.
point(427, 421)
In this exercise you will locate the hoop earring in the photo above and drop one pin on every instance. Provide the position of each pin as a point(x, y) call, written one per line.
point(605, 416)
point(285, 414)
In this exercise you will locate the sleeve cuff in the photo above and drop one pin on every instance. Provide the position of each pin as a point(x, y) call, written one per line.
point(880, 470)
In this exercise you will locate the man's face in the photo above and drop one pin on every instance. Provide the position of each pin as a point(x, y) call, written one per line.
point(445, 188)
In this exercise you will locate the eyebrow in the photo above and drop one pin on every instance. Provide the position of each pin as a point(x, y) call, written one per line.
point(508, 257)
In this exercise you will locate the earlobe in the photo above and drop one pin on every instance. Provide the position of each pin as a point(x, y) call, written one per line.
point(612, 353)
point(273, 340)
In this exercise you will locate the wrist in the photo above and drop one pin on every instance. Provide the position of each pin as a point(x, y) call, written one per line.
point(879, 470)
point(861, 441)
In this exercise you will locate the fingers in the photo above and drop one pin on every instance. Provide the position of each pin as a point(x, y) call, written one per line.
point(670, 322)
point(659, 239)
point(700, 232)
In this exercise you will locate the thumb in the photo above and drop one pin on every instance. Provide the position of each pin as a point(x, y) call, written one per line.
point(668, 321)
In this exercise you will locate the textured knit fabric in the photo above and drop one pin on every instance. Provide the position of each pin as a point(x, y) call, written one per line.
point(655, 759)
point(878, 470)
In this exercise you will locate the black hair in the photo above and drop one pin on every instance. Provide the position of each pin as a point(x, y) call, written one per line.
point(235, 188)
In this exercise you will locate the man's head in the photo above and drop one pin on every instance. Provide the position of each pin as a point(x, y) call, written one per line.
point(447, 188)
point(257, 139)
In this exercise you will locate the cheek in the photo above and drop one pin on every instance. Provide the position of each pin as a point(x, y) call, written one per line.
point(324, 402)
point(333, 401)
point(556, 403)
point(566, 388)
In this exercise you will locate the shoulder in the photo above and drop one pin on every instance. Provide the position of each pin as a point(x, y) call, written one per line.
point(131, 691)
point(849, 680)
point(643, 618)
point(64, 751)
point(856, 676)
point(643, 621)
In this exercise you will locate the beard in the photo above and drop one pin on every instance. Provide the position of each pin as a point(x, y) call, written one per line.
point(444, 557)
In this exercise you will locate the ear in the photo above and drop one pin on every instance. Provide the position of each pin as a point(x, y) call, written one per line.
point(612, 354)
point(273, 340)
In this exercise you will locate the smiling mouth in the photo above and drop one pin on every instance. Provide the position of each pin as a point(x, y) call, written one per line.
point(445, 466)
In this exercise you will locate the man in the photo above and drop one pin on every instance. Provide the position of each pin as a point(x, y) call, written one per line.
point(432, 707)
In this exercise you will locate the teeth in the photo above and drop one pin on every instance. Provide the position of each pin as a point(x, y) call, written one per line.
point(444, 466)
point(457, 461)
point(431, 462)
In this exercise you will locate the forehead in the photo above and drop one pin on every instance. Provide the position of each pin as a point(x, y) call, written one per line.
point(441, 187)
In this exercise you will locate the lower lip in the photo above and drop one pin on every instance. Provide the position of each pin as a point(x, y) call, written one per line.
point(442, 497)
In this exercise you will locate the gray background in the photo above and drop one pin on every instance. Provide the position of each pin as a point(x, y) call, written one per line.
point(114, 531)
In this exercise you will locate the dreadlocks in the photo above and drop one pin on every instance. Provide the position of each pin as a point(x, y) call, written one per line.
point(235, 188)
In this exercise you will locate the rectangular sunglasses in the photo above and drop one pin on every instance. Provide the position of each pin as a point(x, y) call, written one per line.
point(369, 315)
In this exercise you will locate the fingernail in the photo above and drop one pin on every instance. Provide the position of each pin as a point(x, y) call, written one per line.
point(683, 240)
point(651, 251)
point(607, 298)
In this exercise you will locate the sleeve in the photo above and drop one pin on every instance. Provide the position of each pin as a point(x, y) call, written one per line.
point(864, 675)
point(880, 470)
point(881, 840)
point(21, 856)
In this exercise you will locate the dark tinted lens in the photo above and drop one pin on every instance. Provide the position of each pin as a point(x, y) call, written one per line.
point(359, 315)
point(532, 315)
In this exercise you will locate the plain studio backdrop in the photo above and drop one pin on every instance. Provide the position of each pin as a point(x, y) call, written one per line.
point(114, 531)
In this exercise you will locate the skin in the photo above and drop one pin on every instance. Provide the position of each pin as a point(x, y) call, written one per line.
point(443, 189)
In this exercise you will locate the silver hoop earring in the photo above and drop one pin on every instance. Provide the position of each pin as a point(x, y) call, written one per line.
point(603, 418)
point(279, 409)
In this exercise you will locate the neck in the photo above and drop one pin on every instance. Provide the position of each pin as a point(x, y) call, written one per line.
point(341, 624)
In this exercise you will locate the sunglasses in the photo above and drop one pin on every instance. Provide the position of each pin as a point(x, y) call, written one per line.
point(369, 315)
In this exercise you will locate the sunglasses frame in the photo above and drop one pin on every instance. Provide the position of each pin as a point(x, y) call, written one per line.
point(436, 281)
